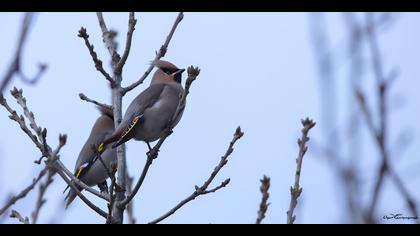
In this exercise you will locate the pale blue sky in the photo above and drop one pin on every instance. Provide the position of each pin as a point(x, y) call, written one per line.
point(258, 71)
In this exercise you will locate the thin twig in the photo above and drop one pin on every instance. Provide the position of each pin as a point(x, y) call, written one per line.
point(43, 147)
point(15, 214)
point(380, 134)
point(40, 200)
point(15, 66)
point(51, 172)
point(42, 67)
point(131, 27)
point(139, 182)
point(213, 190)
point(112, 195)
point(21, 121)
point(59, 165)
point(18, 95)
point(85, 98)
point(107, 38)
point(265, 185)
point(162, 51)
point(296, 190)
point(98, 63)
point(130, 205)
point(43, 187)
point(202, 190)
point(52, 163)
point(81, 196)
point(193, 72)
point(24, 192)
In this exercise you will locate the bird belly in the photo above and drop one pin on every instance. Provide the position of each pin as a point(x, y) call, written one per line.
point(97, 173)
point(150, 130)
point(154, 122)
point(157, 118)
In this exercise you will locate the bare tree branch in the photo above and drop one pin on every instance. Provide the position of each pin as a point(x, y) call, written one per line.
point(265, 185)
point(18, 95)
point(107, 38)
point(202, 190)
point(42, 67)
point(160, 54)
point(213, 190)
point(24, 192)
point(98, 63)
point(81, 196)
point(85, 98)
point(52, 162)
point(328, 63)
point(151, 155)
point(43, 147)
point(112, 188)
point(131, 27)
point(130, 205)
point(136, 188)
point(380, 133)
point(40, 200)
point(21, 121)
point(15, 67)
point(296, 190)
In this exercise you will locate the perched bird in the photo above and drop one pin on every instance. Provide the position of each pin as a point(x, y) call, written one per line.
point(152, 110)
point(89, 169)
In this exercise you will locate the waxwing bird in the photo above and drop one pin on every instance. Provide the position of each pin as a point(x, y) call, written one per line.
point(152, 110)
point(88, 168)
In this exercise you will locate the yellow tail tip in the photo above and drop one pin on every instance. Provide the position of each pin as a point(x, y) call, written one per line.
point(79, 172)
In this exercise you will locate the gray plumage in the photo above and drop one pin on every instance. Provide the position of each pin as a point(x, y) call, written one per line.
point(96, 173)
point(154, 107)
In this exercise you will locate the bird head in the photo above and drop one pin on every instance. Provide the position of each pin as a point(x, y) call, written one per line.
point(166, 72)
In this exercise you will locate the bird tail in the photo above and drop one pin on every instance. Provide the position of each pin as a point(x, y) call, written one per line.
point(119, 142)
point(71, 196)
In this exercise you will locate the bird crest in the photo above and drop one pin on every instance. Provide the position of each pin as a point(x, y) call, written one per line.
point(165, 65)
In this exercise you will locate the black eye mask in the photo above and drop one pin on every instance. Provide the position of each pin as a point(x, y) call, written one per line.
point(178, 77)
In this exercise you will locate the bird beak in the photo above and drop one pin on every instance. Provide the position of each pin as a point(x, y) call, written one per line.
point(178, 72)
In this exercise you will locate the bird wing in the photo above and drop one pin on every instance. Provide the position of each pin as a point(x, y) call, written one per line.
point(81, 170)
point(88, 155)
point(127, 134)
point(134, 115)
point(143, 101)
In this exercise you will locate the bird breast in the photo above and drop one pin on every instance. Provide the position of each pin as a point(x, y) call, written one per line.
point(158, 116)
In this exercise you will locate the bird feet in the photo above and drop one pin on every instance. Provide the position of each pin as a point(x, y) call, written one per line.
point(152, 153)
point(103, 187)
